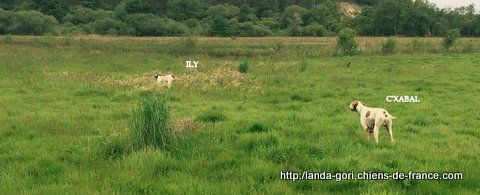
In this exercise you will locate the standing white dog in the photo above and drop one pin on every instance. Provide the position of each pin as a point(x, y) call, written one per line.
point(372, 119)
point(167, 79)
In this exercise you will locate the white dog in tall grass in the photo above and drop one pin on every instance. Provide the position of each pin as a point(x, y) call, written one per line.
point(372, 119)
point(166, 79)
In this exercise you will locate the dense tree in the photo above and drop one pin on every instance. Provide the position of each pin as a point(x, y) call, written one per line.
point(32, 23)
point(220, 27)
point(5, 21)
point(56, 8)
point(242, 18)
point(224, 11)
point(185, 9)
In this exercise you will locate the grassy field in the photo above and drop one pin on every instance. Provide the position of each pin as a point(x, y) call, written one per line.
point(66, 106)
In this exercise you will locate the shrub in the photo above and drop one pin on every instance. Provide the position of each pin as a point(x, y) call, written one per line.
point(150, 122)
point(450, 38)
point(389, 46)
point(7, 39)
point(468, 47)
point(346, 44)
point(213, 117)
point(243, 67)
point(187, 45)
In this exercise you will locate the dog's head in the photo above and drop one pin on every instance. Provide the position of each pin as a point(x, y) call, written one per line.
point(355, 104)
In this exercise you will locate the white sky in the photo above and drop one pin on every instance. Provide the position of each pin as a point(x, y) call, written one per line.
point(456, 3)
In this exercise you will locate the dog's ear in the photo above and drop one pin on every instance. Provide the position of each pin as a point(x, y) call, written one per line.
point(354, 105)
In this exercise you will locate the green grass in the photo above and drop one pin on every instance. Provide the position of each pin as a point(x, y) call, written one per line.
point(66, 109)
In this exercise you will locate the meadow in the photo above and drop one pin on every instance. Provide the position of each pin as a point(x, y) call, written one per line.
point(66, 106)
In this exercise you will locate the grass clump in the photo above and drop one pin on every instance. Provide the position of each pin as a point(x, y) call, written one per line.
point(212, 117)
point(303, 65)
point(150, 122)
point(300, 98)
point(256, 128)
point(243, 67)
point(389, 46)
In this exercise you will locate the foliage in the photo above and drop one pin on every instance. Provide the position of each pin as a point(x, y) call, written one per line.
point(450, 38)
point(7, 39)
point(32, 23)
point(346, 44)
point(220, 27)
point(246, 18)
point(388, 47)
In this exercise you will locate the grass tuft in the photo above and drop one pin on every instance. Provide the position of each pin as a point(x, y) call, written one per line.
point(212, 117)
point(255, 128)
point(150, 122)
point(243, 67)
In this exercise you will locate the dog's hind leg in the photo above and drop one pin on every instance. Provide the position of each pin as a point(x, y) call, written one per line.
point(367, 130)
point(390, 130)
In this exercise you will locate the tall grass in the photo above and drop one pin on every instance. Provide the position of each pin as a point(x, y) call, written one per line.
point(150, 123)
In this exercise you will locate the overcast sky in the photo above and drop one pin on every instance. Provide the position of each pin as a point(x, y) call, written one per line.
point(456, 3)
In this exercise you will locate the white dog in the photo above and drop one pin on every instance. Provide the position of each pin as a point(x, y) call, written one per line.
point(167, 79)
point(372, 119)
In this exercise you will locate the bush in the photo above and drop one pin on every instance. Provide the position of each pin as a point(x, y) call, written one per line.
point(389, 46)
point(188, 45)
point(468, 47)
point(7, 39)
point(243, 67)
point(346, 44)
point(150, 123)
point(450, 38)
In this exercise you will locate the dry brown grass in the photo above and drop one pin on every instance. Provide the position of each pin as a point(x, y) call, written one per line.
point(184, 125)
point(219, 78)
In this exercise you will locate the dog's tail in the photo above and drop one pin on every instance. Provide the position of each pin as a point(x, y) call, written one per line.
point(388, 115)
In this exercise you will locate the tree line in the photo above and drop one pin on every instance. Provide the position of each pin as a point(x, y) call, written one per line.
point(233, 18)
